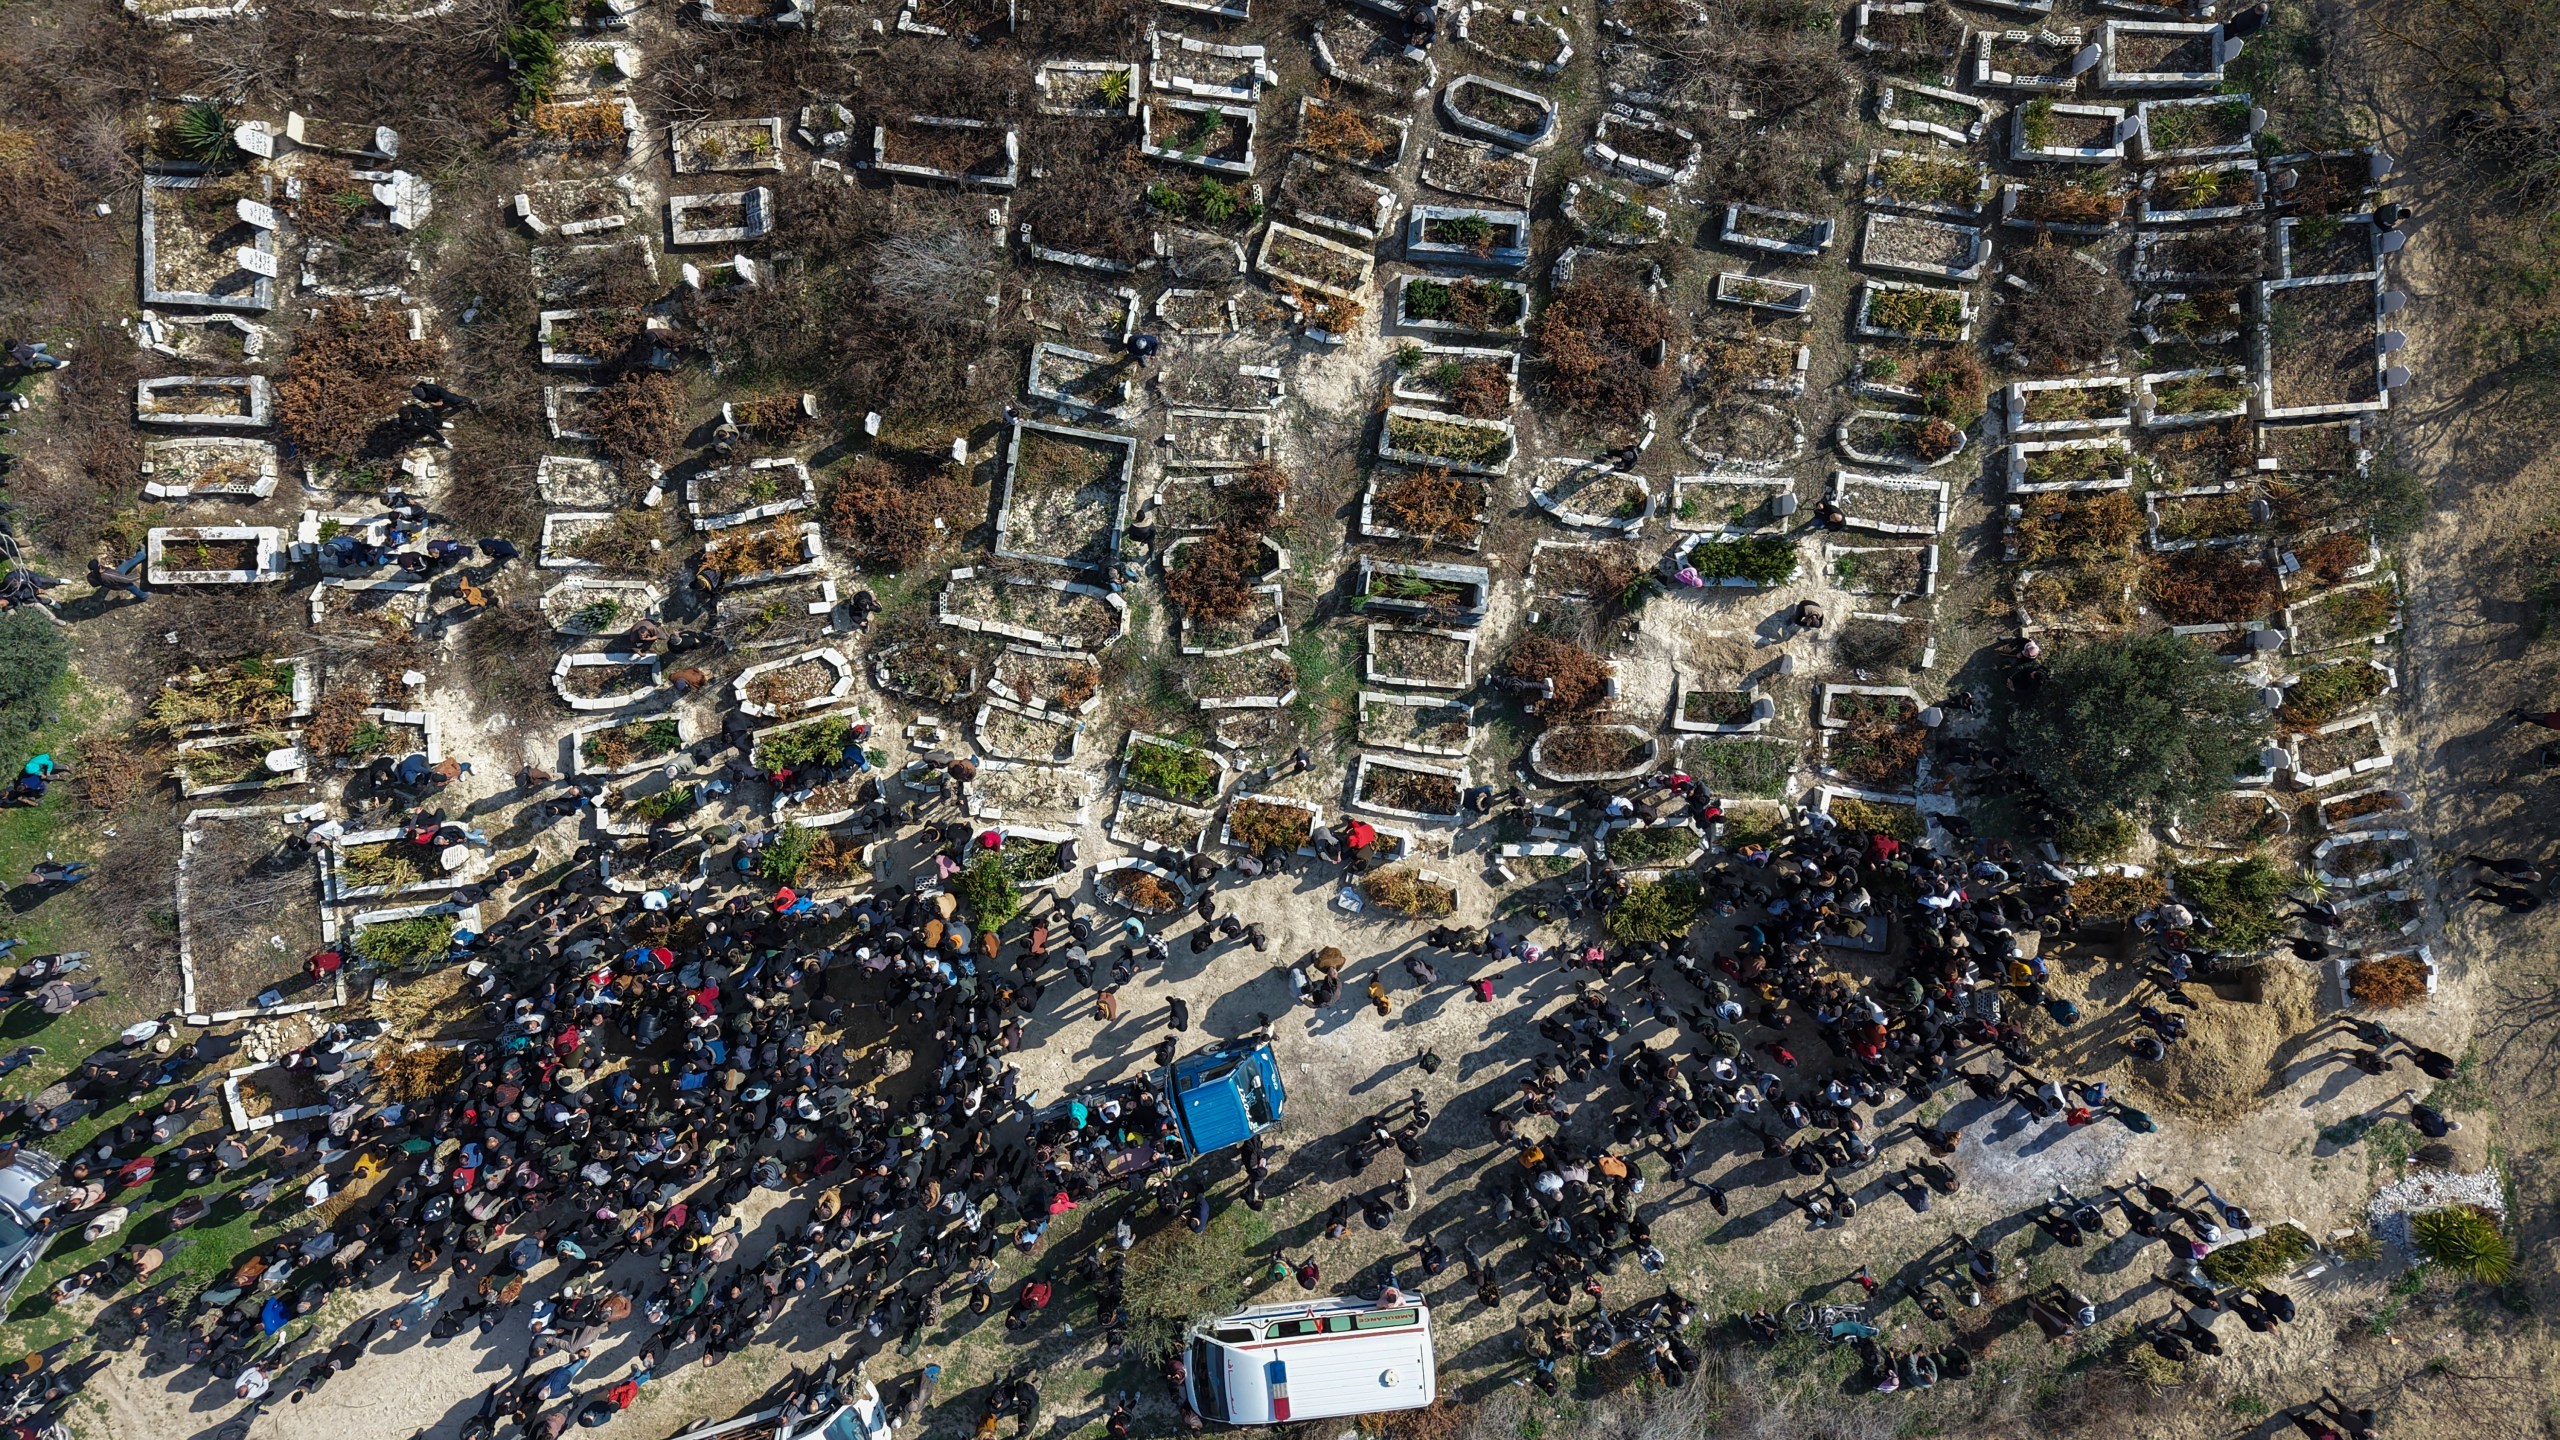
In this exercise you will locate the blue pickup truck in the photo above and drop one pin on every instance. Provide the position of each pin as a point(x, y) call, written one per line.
point(1223, 1096)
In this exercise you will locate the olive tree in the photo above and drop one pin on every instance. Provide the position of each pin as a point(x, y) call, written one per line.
point(2143, 722)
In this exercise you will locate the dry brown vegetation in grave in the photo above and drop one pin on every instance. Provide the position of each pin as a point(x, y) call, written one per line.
point(1432, 504)
point(880, 512)
point(1211, 579)
point(1580, 677)
point(2071, 315)
point(638, 419)
point(1774, 91)
point(2387, 984)
point(349, 371)
point(2208, 586)
point(1337, 132)
point(1593, 337)
point(1089, 202)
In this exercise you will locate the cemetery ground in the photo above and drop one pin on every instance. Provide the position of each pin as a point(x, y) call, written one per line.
point(664, 242)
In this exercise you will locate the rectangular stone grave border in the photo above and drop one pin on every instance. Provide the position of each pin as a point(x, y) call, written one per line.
point(1239, 114)
point(1607, 156)
point(1405, 320)
point(1376, 529)
point(2268, 291)
point(1543, 69)
point(1367, 763)
point(1402, 388)
point(1041, 384)
point(1469, 613)
point(257, 399)
point(186, 952)
point(1403, 700)
point(1419, 460)
point(1276, 232)
point(2368, 721)
point(235, 1107)
point(2015, 473)
point(688, 734)
point(1269, 602)
point(261, 292)
point(1005, 179)
point(1483, 129)
point(168, 464)
point(189, 790)
point(1422, 250)
point(2021, 152)
point(1165, 51)
point(1256, 424)
point(1880, 226)
point(1948, 210)
point(1537, 850)
point(2284, 246)
point(2018, 393)
point(2242, 148)
point(1841, 494)
point(756, 201)
point(335, 890)
point(1064, 76)
point(1464, 638)
point(269, 565)
point(2340, 965)
point(2147, 405)
point(769, 159)
point(812, 546)
point(1079, 816)
point(2171, 214)
point(1988, 76)
point(1793, 298)
point(1194, 820)
point(2367, 879)
point(1968, 309)
point(1984, 112)
point(805, 496)
point(2111, 33)
point(1766, 486)
point(1009, 546)
point(942, 609)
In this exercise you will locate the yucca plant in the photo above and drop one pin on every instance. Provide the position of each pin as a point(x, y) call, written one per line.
point(202, 133)
point(2464, 1241)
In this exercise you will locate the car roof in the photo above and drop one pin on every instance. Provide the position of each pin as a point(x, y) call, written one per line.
point(1327, 1375)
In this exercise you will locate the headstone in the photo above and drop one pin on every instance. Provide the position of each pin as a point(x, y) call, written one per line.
point(284, 761)
point(252, 212)
point(256, 262)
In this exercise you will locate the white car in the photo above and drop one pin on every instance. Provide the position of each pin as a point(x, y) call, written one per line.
point(22, 1244)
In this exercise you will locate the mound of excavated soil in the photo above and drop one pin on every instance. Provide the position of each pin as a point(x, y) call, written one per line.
point(2222, 1070)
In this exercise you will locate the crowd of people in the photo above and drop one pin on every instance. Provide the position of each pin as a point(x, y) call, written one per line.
point(656, 1074)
